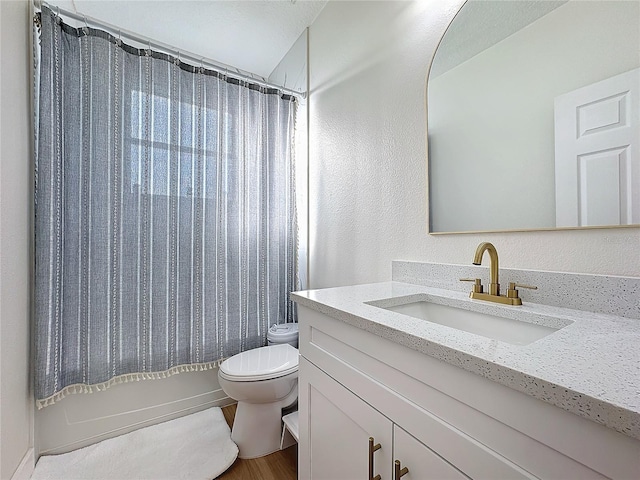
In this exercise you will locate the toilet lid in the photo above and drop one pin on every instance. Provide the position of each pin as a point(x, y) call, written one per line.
point(261, 363)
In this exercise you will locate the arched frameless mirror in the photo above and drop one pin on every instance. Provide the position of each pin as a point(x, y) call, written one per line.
point(533, 117)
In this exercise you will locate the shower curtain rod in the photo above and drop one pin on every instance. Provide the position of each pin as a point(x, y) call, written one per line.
point(168, 49)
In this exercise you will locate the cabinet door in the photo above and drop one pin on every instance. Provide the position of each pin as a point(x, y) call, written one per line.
point(421, 461)
point(335, 426)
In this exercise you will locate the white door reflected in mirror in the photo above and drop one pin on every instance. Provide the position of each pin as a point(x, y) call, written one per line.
point(597, 140)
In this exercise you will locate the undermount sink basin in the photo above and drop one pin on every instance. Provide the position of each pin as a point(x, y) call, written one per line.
point(507, 330)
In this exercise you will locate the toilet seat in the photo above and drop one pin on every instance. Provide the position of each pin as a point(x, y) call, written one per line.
point(263, 363)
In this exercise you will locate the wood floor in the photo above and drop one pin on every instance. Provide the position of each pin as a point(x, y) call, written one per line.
point(282, 465)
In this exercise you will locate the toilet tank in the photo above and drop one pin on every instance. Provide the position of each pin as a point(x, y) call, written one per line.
point(283, 333)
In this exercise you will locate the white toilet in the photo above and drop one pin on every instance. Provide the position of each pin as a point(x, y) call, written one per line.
point(263, 381)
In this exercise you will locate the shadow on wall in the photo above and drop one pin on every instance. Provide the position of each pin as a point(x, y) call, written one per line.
point(352, 56)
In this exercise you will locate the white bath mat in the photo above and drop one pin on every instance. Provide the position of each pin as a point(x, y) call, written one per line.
point(195, 447)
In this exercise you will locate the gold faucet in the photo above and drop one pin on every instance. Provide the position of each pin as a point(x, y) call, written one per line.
point(494, 285)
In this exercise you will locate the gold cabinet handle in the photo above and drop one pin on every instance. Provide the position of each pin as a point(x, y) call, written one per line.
point(399, 472)
point(373, 448)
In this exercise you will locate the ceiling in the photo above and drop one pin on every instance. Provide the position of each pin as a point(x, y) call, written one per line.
point(252, 35)
point(481, 24)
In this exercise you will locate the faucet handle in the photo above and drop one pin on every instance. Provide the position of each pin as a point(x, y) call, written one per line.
point(477, 284)
point(513, 293)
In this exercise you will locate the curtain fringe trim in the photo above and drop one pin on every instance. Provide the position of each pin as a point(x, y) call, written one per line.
point(129, 377)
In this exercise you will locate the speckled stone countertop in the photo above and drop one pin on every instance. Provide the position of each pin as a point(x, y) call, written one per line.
point(590, 367)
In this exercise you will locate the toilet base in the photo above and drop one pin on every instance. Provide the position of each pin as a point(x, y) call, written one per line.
point(257, 428)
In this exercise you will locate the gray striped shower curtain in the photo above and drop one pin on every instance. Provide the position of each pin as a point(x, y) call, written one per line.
point(166, 236)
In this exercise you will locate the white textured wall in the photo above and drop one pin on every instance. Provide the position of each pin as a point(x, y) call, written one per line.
point(368, 204)
point(16, 405)
point(511, 88)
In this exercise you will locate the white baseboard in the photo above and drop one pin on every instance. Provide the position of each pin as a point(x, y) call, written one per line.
point(25, 469)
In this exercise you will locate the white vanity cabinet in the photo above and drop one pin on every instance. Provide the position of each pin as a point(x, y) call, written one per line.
point(438, 420)
point(343, 428)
